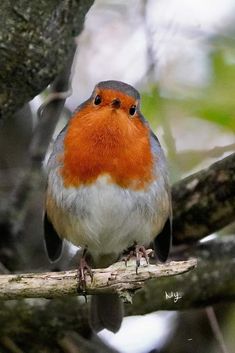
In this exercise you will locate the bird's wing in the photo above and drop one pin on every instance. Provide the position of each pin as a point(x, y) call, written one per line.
point(53, 242)
point(162, 242)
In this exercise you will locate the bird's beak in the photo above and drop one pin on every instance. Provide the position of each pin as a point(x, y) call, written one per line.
point(116, 103)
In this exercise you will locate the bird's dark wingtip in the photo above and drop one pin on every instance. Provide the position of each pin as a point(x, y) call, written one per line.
point(53, 242)
point(162, 242)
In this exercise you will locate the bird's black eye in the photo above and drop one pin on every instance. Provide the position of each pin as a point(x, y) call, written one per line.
point(132, 110)
point(97, 100)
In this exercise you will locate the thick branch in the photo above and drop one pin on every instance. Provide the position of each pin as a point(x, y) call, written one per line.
point(204, 202)
point(36, 37)
point(49, 325)
point(116, 278)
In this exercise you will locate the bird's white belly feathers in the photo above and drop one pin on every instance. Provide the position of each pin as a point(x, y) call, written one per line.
point(107, 218)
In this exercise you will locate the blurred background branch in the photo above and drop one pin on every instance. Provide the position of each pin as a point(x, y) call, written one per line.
point(204, 202)
point(15, 207)
point(62, 320)
point(48, 117)
point(36, 38)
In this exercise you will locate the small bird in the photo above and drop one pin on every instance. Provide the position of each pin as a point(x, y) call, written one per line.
point(107, 188)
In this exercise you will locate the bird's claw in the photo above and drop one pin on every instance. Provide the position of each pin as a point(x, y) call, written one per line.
point(83, 270)
point(140, 252)
point(137, 251)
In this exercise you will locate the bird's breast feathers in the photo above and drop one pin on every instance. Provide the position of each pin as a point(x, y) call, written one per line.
point(107, 143)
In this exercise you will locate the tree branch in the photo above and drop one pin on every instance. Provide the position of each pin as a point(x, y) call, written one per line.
point(16, 209)
point(49, 324)
point(115, 278)
point(36, 38)
point(211, 282)
point(45, 321)
point(204, 202)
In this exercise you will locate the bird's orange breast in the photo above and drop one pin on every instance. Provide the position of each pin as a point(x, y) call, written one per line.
point(107, 142)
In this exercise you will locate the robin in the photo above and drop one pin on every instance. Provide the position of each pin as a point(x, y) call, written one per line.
point(108, 188)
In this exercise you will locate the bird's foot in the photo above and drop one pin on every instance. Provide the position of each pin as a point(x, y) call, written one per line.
point(137, 251)
point(83, 270)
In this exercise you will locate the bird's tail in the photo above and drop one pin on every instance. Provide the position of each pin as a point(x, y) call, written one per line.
point(106, 312)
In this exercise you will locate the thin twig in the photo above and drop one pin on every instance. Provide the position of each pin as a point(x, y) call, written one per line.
point(216, 329)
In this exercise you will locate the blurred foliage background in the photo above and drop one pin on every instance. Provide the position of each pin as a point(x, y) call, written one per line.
point(204, 115)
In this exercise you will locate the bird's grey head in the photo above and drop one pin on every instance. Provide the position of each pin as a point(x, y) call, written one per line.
point(119, 86)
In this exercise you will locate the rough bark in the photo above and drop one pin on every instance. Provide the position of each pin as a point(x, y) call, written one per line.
point(116, 278)
point(204, 202)
point(35, 40)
